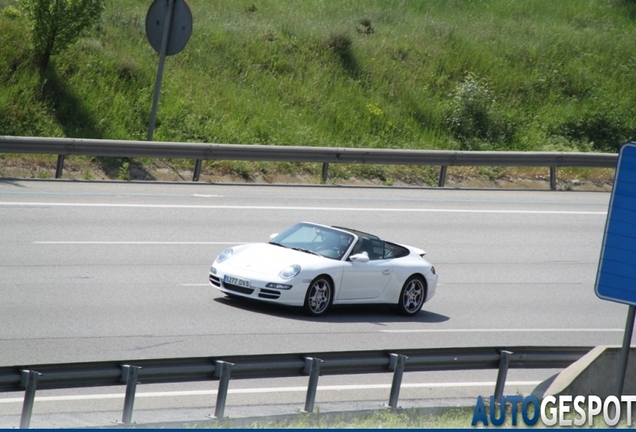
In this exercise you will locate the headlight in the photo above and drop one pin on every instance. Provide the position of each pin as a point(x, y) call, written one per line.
point(279, 286)
point(290, 272)
point(223, 256)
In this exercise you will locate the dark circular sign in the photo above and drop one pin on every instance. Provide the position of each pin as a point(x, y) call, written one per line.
point(180, 28)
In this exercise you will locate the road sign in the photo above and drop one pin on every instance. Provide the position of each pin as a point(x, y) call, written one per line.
point(168, 27)
point(616, 277)
point(180, 28)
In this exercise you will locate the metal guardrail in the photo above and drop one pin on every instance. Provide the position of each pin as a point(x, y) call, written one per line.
point(152, 371)
point(324, 155)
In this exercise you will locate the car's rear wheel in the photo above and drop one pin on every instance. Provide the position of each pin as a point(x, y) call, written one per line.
point(412, 296)
point(319, 296)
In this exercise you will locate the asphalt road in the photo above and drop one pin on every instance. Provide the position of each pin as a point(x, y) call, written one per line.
point(105, 270)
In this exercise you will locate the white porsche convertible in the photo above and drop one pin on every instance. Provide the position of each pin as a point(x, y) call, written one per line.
point(316, 266)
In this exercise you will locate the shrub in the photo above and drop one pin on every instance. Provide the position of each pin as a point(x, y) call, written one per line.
point(472, 116)
point(56, 24)
point(340, 43)
point(471, 110)
point(11, 12)
point(600, 126)
point(365, 27)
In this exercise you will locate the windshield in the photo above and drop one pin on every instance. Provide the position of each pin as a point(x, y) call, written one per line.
point(315, 239)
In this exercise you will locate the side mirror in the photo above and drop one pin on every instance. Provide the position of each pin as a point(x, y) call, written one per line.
point(361, 257)
point(271, 237)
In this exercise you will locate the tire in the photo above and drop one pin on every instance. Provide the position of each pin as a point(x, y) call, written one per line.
point(412, 296)
point(319, 296)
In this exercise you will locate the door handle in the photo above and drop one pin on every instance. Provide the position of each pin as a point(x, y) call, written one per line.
point(386, 272)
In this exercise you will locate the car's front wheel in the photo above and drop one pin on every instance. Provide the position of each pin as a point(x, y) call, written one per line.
point(412, 296)
point(319, 296)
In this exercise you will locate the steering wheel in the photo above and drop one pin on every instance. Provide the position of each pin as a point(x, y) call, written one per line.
point(334, 249)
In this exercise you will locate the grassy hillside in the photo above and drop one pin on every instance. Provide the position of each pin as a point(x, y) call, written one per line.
point(435, 74)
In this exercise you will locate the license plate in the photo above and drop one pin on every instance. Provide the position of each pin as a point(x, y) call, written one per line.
point(236, 281)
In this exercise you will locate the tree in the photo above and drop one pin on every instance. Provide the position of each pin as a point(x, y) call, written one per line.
point(55, 24)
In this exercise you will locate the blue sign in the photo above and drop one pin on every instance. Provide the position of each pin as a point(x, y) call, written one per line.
point(616, 277)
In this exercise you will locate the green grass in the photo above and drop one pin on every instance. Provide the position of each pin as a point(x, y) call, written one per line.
point(378, 419)
point(440, 74)
point(410, 418)
point(389, 419)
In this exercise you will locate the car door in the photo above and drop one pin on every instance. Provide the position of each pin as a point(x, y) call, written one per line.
point(366, 280)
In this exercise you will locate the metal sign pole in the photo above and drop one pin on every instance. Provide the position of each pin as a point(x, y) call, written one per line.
point(627, 341)
point(162, 60)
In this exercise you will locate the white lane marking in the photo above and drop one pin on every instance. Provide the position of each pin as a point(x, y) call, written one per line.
point(267, 390)
point(134, 243)
point(510, 330)
point(361, 209)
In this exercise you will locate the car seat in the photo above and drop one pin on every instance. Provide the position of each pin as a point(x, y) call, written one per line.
point(367, 246)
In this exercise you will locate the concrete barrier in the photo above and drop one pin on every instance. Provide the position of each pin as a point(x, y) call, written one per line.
point(593, 374)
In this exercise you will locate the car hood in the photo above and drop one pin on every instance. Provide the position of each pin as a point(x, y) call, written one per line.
point(267, 258)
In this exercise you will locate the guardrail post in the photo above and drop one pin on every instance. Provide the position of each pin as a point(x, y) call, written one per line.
point(396, 364)
point(325, 171)
point(197, 170)
point(222, 372)
point(553, 178)
point(129, 375)
point(60, 166)
point(442, 176)
point(312, 368)
point(504, 362)
point(29, 380)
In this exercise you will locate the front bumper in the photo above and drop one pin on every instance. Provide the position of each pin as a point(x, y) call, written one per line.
point(258, 290)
